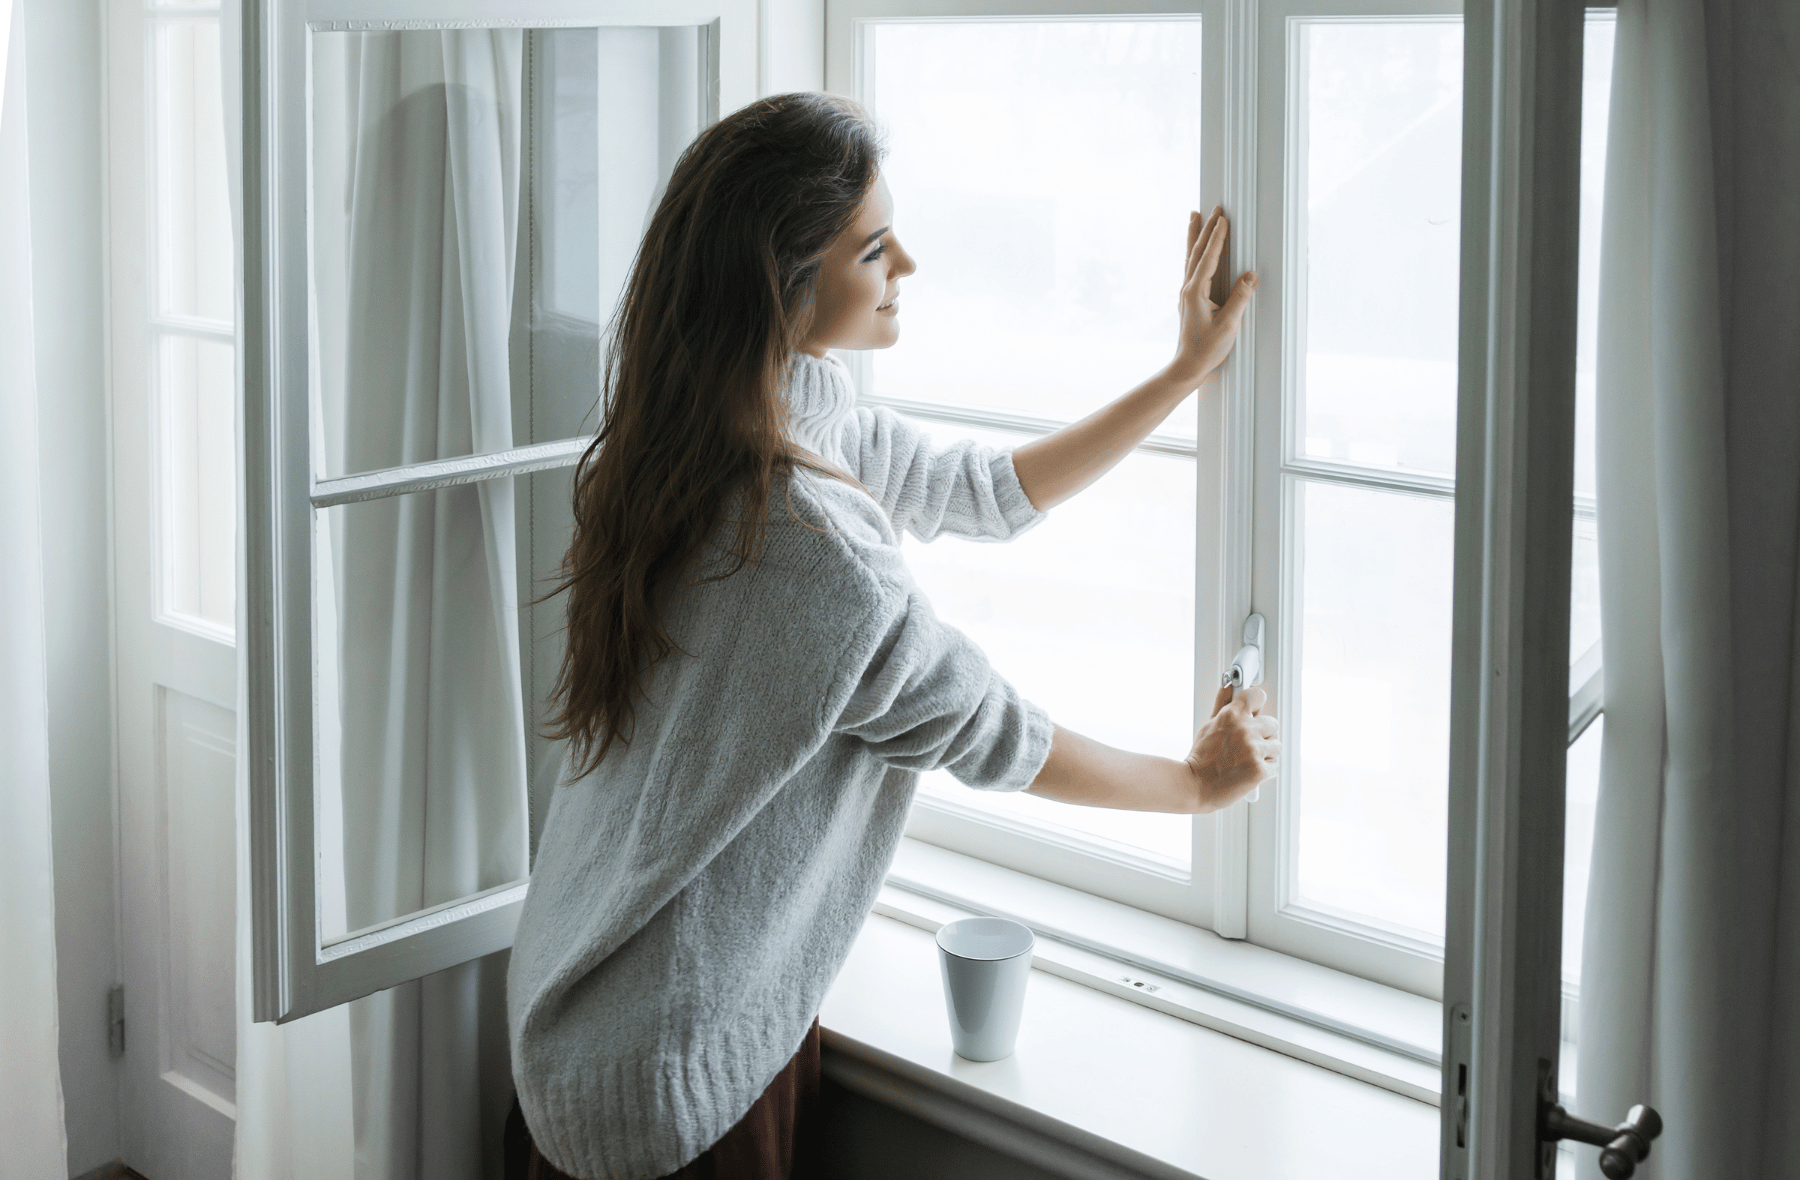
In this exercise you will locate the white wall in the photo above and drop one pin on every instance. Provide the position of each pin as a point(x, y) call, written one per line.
point(64, 98)
point(793, 45)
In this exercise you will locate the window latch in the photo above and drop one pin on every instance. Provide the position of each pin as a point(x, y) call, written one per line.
point(1246, 670)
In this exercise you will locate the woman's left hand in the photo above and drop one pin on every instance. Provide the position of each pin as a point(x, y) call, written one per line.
point(1208, 329)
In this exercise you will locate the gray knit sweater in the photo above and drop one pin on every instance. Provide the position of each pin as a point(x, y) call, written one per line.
point(694, 897)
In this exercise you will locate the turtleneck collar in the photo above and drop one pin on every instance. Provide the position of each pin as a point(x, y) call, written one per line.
point(819, 397)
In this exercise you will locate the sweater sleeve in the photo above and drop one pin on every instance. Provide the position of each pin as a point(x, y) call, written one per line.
point(964, 489)
point(927, 698)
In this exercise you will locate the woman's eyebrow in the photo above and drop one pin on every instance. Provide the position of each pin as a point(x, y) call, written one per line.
point(871, 238)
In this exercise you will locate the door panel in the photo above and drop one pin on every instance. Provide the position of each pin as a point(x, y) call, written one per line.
point(197, 1030)
point(174, 526)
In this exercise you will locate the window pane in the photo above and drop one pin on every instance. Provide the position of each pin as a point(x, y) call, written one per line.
point(1378, 164)
point(1368, 747)
point(198, 467)
point(193, 242)
point(1042, 175)
point(422, 746)
point(1580, 804)
point(1596, 87)
point(474, 218)
point(1091, 615)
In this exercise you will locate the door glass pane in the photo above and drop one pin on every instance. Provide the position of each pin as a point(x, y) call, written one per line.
point(473, 220)
point(1377, 166)
point(1091, 615)
point(1368, 746)
point(425, 752)
point(196, 408)
point(193, 247)
point(1042, 174)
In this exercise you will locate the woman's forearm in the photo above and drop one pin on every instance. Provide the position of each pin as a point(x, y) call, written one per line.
point(1056, 466)
point(1082, 770)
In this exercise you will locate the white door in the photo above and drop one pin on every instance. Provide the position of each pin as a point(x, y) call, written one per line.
point(174, 496)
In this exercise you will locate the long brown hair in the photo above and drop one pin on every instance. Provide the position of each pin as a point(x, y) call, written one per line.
point(720, 297)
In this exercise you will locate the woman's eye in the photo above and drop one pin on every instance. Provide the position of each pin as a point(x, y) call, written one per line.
point(876, 253)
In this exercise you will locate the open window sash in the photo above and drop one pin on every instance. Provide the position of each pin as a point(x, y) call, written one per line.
point(1510, 673)
point(390, 541)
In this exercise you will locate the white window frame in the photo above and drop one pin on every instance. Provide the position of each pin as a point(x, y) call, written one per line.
point(1210, 895)
point(164, 325)
point(1276, 919)
point(1239, 857)
point(296, 971)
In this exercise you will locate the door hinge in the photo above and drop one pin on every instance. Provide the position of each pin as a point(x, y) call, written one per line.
point(115, 1019)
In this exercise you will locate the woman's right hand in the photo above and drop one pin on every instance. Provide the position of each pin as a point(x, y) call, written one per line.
point(1236, 750)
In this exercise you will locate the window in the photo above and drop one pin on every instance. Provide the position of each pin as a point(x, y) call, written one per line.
point(1043, 163)
point(460, 200)
point(192, 363)
point(1042, 167)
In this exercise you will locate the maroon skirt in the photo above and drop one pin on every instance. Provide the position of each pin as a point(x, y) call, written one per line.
point(777, 1139)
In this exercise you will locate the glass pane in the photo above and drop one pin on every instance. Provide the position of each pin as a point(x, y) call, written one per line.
point(1378, 182)
point(1596, 87)
point(193, 241)
point(197, 459)
point(1368, 747)
point(1580, 804)
point(1091, 615)
point(1042, 175)
point(474, 218)
point(425, 753)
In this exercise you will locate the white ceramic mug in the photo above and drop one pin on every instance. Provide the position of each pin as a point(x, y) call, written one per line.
point(986, 963)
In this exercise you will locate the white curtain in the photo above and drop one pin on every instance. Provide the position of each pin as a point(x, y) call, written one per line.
point(433, 738)
point(32, 1142)
point(414, 306)
point(1691, 969)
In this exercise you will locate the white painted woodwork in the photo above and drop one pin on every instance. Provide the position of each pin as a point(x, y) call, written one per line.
point(1100, 1086)
point(1515, 462)
point(197, 758)
point(174, 694)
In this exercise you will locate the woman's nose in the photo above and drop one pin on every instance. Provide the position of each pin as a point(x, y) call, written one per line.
point(903, 262)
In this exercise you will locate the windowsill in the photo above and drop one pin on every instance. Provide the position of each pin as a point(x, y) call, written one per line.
point(1364, 1030)
point(1105, 1088)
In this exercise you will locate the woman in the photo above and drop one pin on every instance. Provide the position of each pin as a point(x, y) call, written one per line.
point(753, 681)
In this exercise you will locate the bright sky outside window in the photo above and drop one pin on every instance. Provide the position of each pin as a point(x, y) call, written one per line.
point(194, 360)
point(1042, 174)
point(1091, 615)
point(1584, 618)
point(1377, 160)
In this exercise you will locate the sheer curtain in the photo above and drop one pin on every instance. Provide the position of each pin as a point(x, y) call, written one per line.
point(1691, 971)
point(427, 600)
point(31, 1099)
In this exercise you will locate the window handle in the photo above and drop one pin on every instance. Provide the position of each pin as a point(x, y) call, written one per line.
point(1247, 666)
point(1246, 670)
point(1622, 1147)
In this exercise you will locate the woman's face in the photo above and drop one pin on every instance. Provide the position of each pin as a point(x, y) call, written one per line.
point(857, 301)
